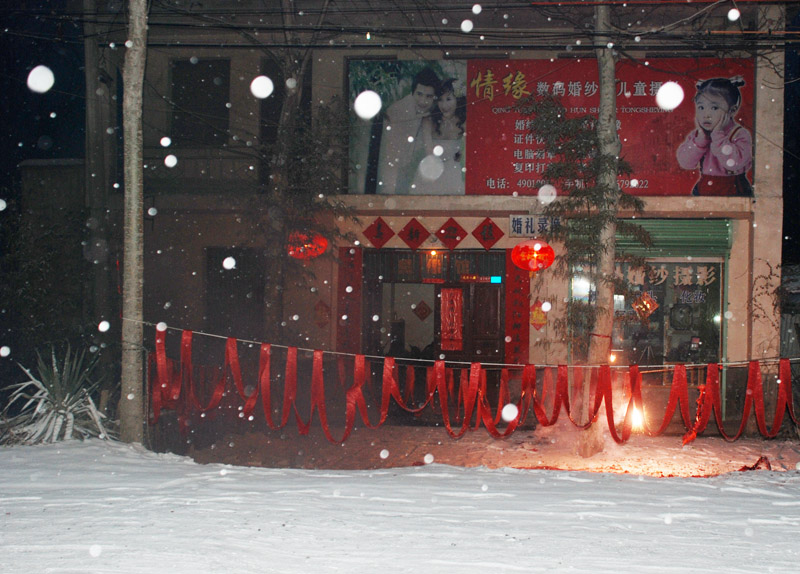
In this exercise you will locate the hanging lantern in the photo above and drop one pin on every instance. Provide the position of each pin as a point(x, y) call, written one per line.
point(644, 306)
point(533, 255)
point(306, 245)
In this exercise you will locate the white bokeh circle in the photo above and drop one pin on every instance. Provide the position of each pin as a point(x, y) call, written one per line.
point(261, 87)
point(41, 79)
point(669, 96)
point(367, 104)
point(431, 167)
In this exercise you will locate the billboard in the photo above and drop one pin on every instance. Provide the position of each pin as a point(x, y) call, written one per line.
point(468, 138)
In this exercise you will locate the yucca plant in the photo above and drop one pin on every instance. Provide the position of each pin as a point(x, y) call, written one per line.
point(56, 405)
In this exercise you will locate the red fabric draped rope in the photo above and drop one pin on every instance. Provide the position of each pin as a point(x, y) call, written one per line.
point(463, 401)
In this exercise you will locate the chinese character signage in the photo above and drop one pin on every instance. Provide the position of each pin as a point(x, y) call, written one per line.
point(414, 234)
point(379, 232)
point(674, 313)
point(460, 133)
point(532, 225)
point(517, 312)
point(487, 233)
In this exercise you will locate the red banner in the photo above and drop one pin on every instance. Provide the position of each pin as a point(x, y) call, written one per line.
point(348, 320)
point(518, 288)
point(452, 316)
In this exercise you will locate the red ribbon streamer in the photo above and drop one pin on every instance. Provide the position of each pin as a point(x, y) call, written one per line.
point(174, 386)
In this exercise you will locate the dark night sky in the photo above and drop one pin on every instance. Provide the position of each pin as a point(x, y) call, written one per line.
point(791, 159)
point(40, 126)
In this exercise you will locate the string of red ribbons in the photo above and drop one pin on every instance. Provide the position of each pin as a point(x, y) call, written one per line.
point(174, 385)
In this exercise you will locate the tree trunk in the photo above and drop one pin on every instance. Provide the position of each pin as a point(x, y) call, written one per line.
point(278, 189)
point(600, 338)
point(294, 65)
point(132, 400)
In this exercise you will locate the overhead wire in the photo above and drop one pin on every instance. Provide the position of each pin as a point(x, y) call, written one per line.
point(429, 28)
point(211, 19)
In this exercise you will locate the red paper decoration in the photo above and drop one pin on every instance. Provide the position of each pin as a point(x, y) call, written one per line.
point(306, 245)
point(451, 234)
point(487, 233)
point(414, 234)
point(644, 306)
point(533, 255)
point(422, 310)
point(379, 232)
point(518, 288)
point(452, 305)
point(538, 315)
point(174, 384)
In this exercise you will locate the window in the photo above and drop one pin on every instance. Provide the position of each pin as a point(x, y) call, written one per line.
point(235, 281)
point(685, 325)
point(200, 98)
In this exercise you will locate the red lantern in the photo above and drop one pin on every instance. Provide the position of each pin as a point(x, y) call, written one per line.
point(306, 245)
point(533, 255)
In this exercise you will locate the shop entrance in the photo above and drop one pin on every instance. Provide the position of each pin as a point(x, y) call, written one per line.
point(432, 304)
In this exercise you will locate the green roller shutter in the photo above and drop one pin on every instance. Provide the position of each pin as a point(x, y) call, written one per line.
point(680, 238)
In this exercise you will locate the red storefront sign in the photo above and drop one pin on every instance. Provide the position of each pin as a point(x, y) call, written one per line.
point(506, 159)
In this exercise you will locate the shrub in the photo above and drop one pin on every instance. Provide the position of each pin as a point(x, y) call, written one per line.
point(56, 405)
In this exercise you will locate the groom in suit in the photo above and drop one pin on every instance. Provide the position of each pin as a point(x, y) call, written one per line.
point(401, 143)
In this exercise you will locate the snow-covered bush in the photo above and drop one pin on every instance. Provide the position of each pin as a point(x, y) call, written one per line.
point(56, 405)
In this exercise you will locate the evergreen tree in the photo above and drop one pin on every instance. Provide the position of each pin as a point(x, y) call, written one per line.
point(586, 164)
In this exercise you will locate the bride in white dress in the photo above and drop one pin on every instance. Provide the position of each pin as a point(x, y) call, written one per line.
point(441, 171)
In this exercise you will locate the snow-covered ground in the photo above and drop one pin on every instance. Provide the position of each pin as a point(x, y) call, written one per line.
point(98, 506)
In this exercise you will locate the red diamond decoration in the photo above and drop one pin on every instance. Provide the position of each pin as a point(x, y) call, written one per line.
point(451, 233)
point(422, 310)
point(414, 234)
point(379, 233)
point(487, 233)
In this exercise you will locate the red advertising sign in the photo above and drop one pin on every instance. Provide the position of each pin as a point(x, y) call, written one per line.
point(503, 158)
point(469, 139)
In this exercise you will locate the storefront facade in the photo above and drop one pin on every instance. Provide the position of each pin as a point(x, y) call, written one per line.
point(428, 273)
point(507, 316)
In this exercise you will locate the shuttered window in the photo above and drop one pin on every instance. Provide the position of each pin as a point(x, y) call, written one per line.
point(680, 238)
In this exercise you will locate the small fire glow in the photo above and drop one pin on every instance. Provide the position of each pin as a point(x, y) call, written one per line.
point(638, 419)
